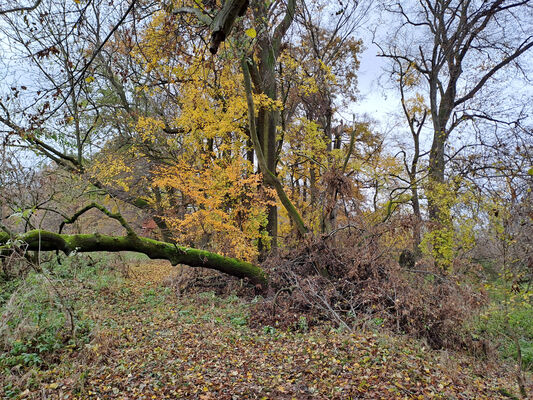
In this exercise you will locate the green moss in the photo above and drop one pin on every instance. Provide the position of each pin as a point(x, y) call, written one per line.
point(83, 243)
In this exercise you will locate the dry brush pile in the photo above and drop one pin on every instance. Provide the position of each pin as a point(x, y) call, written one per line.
point(352, 280)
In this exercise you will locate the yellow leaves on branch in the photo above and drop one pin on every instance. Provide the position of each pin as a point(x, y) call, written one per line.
point(306, 137)
point(111, 169)
point(416, 105)
point(328, 74)
point(149, 128)
point(251, 33)
point(263, 101)
point(293, 70)
point(457, 203)
point(155, 49)
point(227, 205)
point(222, 206)
point(211, 114)
point(411, 77)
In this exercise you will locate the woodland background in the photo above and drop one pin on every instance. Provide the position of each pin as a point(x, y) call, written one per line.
point(220, 136)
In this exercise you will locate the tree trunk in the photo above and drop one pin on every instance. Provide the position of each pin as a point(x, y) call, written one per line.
point(436, 166)
point(267, 131)
point(264, 79)
point(41, 240)
point(417, 234)
point(269, 177)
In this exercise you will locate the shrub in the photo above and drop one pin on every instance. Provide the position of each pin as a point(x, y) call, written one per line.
point(508, 315)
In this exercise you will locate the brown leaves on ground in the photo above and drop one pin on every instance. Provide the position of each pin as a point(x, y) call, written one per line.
point(152, 344)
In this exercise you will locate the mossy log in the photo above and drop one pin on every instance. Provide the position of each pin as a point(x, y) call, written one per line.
point(42, 240)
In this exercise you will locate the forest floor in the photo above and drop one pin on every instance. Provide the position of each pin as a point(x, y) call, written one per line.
point(150, 343)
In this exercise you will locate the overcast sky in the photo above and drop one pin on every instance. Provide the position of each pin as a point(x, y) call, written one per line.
point(374, 99)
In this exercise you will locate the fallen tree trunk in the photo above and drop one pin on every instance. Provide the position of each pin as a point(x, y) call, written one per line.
point(41, 240)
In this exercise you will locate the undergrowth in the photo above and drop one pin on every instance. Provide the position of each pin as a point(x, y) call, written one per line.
point(506, 317)
point(45, 311)
point(152, 339)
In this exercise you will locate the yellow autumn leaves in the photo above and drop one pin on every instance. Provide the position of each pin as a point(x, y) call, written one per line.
point(226, 205)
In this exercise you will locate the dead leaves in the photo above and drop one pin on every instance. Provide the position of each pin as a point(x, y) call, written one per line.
point(176, 348)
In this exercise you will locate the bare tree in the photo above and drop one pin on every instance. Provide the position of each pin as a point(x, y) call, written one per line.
point(416, 115)
point(459, 48)
point(61, 99)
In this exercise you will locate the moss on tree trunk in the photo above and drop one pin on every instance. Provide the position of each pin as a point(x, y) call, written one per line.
point(41, 240)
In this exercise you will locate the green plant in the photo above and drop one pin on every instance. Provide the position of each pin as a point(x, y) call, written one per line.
point(269, 330)
point(506, 317)
point(155, 297)
point(303, 326)
point(44, 311)
point(239, 321)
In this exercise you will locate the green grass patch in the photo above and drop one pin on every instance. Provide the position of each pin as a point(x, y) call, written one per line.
point(46, 310)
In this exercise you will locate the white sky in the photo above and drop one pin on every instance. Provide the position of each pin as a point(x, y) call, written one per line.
point(373, 99)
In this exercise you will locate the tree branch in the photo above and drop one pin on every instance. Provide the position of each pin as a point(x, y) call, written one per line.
point(202, 17)
point(223, 22)
point(21, 8)
point(525, 46)
point(283, 26)
point(41, 240)
point(116, 216)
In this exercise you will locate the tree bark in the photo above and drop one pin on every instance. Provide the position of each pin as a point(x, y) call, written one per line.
point(41, 240)
point(436, 167)
point(269, 177)
point(269, 48)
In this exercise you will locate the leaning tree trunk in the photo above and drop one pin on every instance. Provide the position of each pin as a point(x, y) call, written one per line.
point(269, 49)
point(41, 240)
